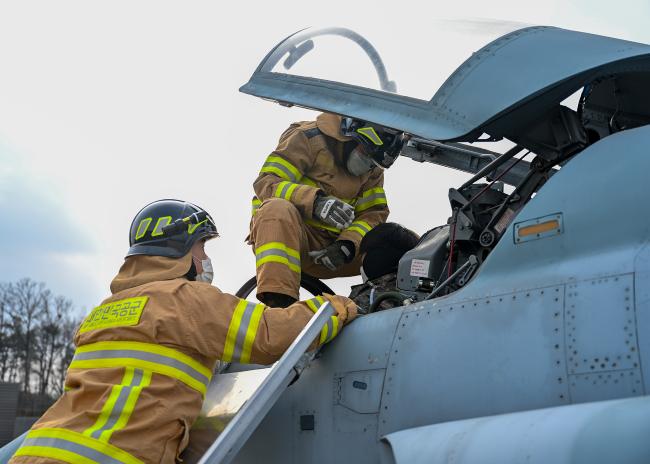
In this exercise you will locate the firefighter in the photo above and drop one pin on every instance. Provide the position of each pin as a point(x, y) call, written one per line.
point(146, 354)
point(317, 195)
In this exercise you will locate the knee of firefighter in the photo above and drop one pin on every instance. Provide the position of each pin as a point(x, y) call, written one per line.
point(278, 209)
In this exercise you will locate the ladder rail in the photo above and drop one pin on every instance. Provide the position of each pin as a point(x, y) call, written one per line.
point(234, 436)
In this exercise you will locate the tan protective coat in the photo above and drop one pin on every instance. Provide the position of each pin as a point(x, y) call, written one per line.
point(315, 149)
point(190, 317)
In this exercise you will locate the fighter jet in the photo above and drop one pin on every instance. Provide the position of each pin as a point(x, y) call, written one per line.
point(524, 331)
point(527, 338)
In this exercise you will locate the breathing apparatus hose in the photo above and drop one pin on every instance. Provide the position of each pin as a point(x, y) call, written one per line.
point(394, 296)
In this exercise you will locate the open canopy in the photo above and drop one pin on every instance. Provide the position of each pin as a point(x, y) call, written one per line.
point(500, 90)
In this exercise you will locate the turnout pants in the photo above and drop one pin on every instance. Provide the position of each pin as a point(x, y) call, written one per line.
point(281, 242)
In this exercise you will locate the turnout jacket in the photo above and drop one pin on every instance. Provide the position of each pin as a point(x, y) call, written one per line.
point(145, 357)
point(309, 159)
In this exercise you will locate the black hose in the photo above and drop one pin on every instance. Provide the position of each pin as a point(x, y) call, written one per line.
point(395, 296)
point(311, 284)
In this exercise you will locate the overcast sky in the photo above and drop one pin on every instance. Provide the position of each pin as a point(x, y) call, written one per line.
point(106, 106)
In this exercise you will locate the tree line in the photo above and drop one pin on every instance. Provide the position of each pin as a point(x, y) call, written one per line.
point(36, 332)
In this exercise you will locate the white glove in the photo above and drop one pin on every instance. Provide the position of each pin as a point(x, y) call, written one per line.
point(333, 211)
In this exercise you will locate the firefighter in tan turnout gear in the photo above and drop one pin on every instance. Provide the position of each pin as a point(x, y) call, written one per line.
point(146, 354)
point(317, 195)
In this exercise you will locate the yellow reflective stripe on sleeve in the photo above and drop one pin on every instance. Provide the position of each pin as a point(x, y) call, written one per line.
point(282, 168)
point(72, 447)
point(284, 190)
point(370, 204)
point(146, 356)
point(323, 335)
point(360, 227)
point(242, 330)
point(369, 198)
point(277, 252)
point(329, 330)
point(315, 303)
point(307, 181)
point(255, 205)
point(326, 332)
point(233, 328)
point(251, 332)
point(335, 327)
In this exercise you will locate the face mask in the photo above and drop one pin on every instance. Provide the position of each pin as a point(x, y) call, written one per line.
point(207, 274)
point(359, 164)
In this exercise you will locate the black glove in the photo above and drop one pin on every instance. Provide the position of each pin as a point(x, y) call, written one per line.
point(333, 211)
point(335, 255)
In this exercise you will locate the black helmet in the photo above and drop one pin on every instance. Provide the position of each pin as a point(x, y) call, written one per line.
point(382, 146)
point(169, 228)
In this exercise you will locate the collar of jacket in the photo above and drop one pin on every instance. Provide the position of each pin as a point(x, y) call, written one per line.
point(330, 125)
point(140, 269)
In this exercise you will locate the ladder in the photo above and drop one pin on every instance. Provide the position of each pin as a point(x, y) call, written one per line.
point(224, 449)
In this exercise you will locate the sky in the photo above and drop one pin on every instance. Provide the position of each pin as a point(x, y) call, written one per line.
point(106, 106)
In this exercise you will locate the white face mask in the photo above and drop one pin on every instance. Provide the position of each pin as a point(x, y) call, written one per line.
point(207, 274)
point(359, 164)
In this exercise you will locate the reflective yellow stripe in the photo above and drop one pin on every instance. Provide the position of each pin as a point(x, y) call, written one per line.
point(72, 447)
point(329, 330)
point(53, 453)
point(149, 348)
point(371, 134)
point(255, 205)
point(242, 331)
point(128, 408)
point(279, 260)
point(369, 198)
point(307, 181)
point(323, 335)
point(315, 303)
point(284, 190)
point(251, 332)
point(277, 245)
point(370, 204)
point(358, 230)
point(372, 191)
point(277, 252)
point(281, 167)
point(110, 403)
point(332, 325)
point(360, 227)
point(145, 356)
point(233, 328)
point(275, 170)
point(335, 324)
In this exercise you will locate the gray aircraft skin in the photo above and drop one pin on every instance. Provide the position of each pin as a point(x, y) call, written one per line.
point(544, 356)
point(536, 349)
